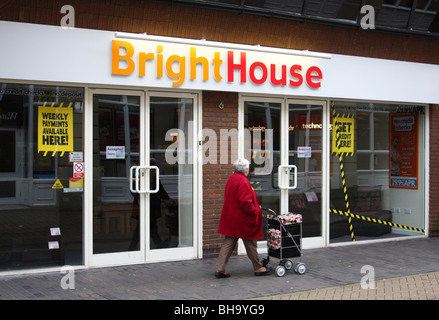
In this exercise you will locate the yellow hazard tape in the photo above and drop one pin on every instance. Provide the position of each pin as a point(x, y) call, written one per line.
point(357, 216)
point(340, 157)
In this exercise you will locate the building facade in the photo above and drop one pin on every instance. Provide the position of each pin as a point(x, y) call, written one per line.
point(119, 131)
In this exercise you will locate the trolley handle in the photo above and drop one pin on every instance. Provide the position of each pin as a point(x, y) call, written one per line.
point(272, 211)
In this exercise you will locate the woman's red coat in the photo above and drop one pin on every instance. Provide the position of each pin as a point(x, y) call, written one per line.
point(241, 216)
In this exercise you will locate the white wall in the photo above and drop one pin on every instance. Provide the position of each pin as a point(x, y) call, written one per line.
point(82, 56)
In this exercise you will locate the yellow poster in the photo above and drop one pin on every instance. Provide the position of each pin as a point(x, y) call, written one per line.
point(55, 129)
point(76, 182)
point(343, 135)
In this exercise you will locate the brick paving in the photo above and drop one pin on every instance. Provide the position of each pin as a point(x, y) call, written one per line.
point(405, 269)
point(423, 286)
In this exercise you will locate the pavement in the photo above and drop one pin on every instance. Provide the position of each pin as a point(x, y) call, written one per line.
point(394, 270)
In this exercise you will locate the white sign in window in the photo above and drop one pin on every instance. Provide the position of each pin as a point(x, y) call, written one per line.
point(115, 152)
point(303, 152)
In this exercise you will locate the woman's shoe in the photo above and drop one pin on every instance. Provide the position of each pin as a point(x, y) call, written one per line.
point(267, 270)
point(221, 275)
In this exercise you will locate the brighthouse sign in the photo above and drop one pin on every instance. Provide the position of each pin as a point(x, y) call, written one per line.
point(212, 65)
point(216, 66)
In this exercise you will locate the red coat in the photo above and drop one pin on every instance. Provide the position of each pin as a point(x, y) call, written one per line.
point(241, 216)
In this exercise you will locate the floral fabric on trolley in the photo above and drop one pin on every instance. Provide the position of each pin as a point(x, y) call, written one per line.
point(274, 235)
point(287, 218)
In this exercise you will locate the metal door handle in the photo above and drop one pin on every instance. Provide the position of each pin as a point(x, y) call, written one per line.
point(135, 172)
point(281, 176)
point(133, 178)
point(157, 179)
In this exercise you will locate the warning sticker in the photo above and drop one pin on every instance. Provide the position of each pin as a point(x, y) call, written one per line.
point(76, 182)
point(57, 185)
point(55, 129)
point(78, 169)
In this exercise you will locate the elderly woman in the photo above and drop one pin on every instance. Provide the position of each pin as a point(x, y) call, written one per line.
point(241, 217)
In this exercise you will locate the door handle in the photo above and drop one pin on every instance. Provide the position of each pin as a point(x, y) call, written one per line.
point(157, 179)
point(135, 172)
point(133, 178)
point(284, 171)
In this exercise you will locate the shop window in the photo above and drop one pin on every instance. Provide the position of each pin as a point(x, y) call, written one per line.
point(383, 169)
point(40, 199)
point(259, 119)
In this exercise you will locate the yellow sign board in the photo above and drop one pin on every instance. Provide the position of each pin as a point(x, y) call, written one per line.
point(76, 182)
point(57, 185)
point(55, 129)
point(343, 135)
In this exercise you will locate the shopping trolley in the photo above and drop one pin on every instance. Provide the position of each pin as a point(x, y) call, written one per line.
point(284, 238)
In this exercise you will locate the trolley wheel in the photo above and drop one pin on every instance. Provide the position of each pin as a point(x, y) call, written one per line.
point(280, 271)
point(288, 264)
point(300, 268)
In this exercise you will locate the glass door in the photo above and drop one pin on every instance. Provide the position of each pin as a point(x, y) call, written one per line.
point(283, 139)
point(143, 177)
point(119, 156)
point(172, 212)
point(262, 146)
point(303, 167)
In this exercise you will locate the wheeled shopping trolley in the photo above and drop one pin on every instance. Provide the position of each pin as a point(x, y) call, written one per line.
point(284, 239)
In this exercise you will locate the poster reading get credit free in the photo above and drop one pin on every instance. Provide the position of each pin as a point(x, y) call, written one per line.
point(403, 158)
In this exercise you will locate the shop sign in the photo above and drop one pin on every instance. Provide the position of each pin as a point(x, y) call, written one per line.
point(148, 61)
point(76, 156)
point(216, 65)
point(403, 150)
point(115, 152)
point(344, 135)
point(304, 152)
point(55, 129)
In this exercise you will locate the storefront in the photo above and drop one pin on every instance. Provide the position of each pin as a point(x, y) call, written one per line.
point(112, 148)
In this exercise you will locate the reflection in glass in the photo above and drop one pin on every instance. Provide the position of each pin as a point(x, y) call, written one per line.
point(367, 173)
point(117, 219)
point(262, 148)
point(41, 225)
point(259, 119)
point(171, 208)
point(305, 152)
point(116, 134)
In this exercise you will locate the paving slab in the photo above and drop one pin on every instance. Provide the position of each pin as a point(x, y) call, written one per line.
point(337, 270)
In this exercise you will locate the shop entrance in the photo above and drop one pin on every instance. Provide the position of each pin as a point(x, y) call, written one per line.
point(143, 177)
point(285, 142)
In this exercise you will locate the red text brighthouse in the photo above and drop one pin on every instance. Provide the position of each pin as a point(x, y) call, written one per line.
point(175, 67)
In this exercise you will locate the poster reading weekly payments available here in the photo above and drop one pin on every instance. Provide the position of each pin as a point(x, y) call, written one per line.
point(403, 158)
point(55, 129)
